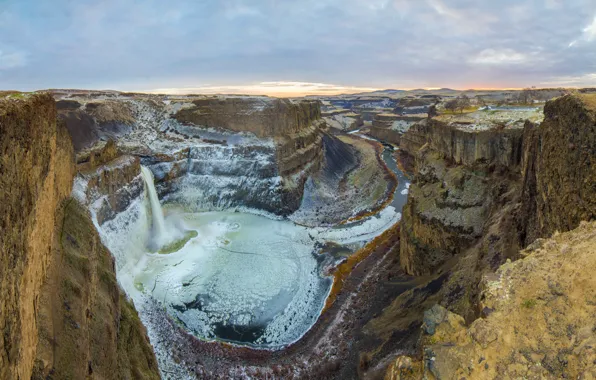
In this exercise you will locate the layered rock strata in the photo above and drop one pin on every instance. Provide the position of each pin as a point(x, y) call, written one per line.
point(530, 183)
point(235, 151)
point(390, 127)
point(37, 172)
point(460, 177)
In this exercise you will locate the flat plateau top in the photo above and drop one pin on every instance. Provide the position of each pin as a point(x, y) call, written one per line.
point(493, 118)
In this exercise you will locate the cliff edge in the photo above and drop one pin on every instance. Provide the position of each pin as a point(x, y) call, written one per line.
point(56, 279)
point(539, 323)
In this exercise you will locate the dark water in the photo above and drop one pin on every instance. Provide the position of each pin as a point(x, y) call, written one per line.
point(399, 199)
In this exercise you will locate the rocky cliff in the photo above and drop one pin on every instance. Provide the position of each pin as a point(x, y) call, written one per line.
point(86, 326)
point(236, 151)
point(37, 169)
point(559, 168)
point(37, 172)
point(294, 126)
point(461, 178)
point(539, 318)
point(265, 117)
point(481, 195)
point(463, 146)
point(390, 127)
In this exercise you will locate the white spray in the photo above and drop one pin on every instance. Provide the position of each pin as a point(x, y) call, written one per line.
point(159, 224)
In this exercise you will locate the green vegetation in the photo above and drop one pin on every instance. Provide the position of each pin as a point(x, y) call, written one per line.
point(529, 303)
point(15, 94)
point(178, 244)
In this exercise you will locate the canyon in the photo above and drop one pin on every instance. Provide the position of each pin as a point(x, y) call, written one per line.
point(372, 236)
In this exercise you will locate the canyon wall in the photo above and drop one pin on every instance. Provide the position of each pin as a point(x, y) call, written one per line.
point(559, 168)
point(37, 172)
point(390, 127)
point(231, 151)
point(265, 117)
point(37, 169)
point(486, 194)
point(293, 125)
point(470, 147)
point(481, 197)
point(86, 326)
point(460, 179)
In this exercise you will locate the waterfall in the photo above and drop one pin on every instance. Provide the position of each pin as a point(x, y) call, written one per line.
point(159, 224)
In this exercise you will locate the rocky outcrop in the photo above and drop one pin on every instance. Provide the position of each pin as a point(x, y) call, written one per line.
point(37, 172)
point(539, 317)
point(37, 168)
point(265, 117)
point(87, 327)
point(390, 127)
point(470, 147)
point(95, 120)
point(559, 168)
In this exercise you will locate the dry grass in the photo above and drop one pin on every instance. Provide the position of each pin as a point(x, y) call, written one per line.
point(382, 242)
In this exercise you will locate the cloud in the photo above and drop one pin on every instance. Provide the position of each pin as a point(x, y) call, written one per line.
point(585, 80)
point(500, 57)
point(588, 35)
point(590, 31)
point(152, 44)
point(12, 60)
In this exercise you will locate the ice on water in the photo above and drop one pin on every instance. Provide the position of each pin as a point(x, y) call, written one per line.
point(241, 271)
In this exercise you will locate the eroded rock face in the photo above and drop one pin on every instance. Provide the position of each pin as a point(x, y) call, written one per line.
point(293, 125)
point(57, 281)
point(535, 184)
point(468, 147)
point(87, 327)
point(460, 179)
point(538, 323)
point(235, 151)
point(93, 121)
point(445, 212)
point(560, 167)
point(37, 168)
point(390, 127)
point(265, 117)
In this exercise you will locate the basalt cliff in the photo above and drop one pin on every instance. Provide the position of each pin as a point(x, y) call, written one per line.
point(481, 200)
point(63, 314)
point(271, 144)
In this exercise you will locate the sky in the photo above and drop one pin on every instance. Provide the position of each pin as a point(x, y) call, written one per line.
point(295, 47)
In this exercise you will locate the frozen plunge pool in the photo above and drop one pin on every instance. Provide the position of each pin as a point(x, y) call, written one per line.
point(238, 277)
point(244, 278)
